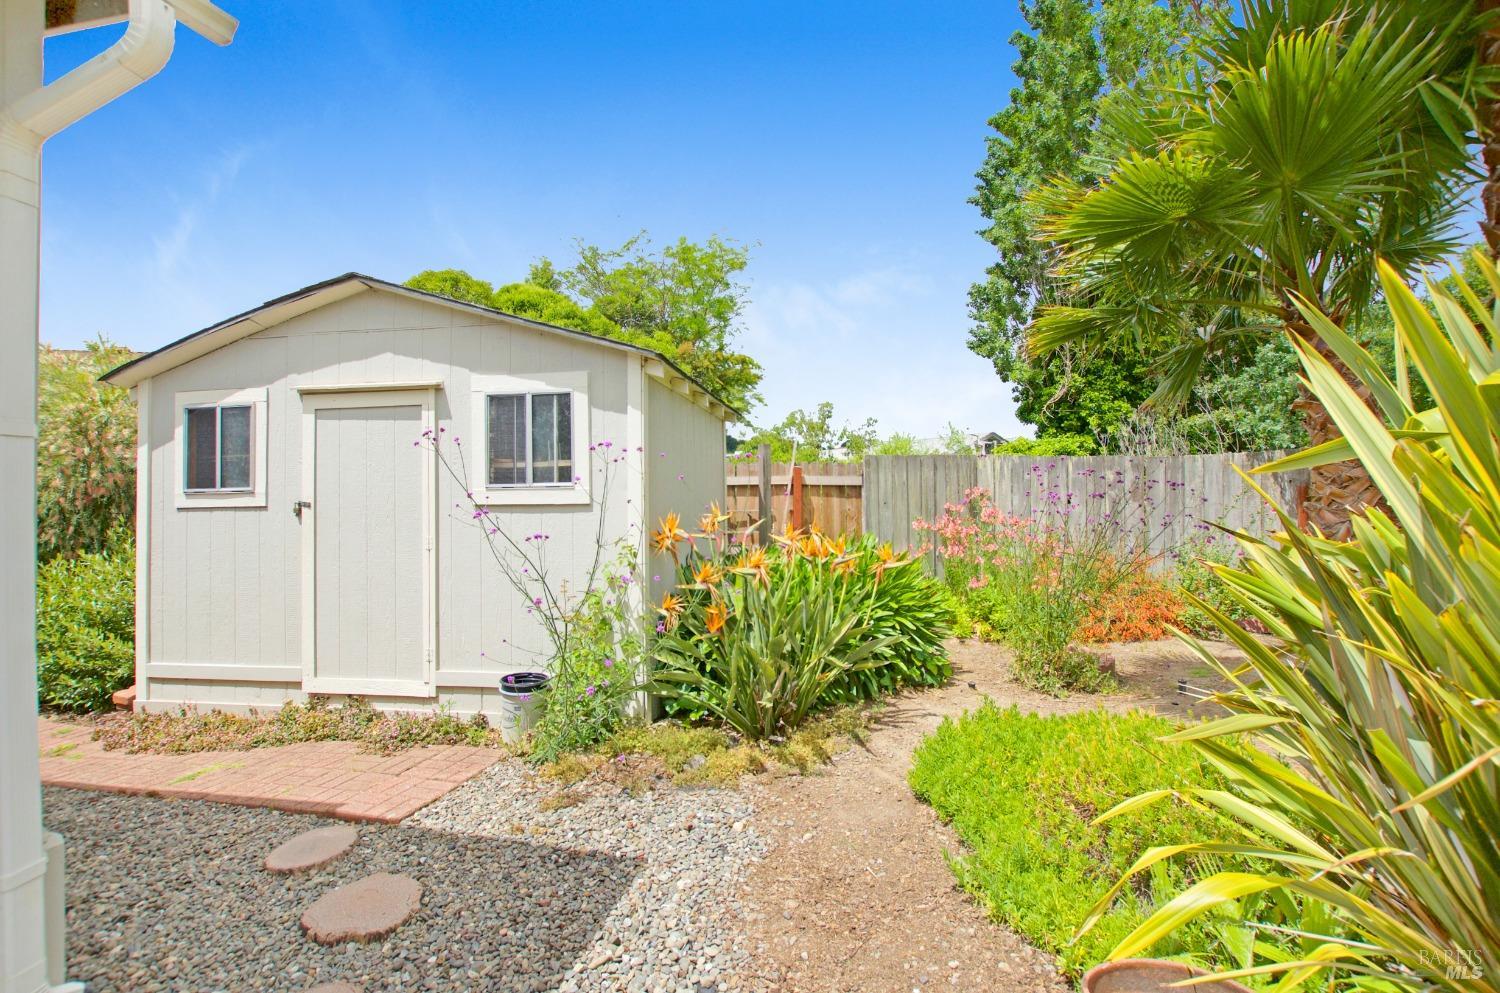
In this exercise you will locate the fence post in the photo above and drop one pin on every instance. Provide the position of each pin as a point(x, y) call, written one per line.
point(765, 496)
point(797, 513)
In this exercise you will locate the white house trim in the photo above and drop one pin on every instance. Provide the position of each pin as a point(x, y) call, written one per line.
point(221, 672)
point(309, 298)
point(425, 384)
point(259, 443)
point(311, 682)
point(142, 538)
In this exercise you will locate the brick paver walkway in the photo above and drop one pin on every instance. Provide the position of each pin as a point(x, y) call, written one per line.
point(331, 778)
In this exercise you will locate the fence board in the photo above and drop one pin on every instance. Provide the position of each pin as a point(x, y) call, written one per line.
point(1159, 502)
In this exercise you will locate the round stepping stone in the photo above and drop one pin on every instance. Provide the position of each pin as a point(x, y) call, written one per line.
point(336, 988)
point(311, 849)
point(364, 910)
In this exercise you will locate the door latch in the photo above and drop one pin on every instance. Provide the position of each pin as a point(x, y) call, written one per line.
point(298, 506)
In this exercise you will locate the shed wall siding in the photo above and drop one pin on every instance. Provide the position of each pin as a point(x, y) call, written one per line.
point(225, 584)
point(684, 467)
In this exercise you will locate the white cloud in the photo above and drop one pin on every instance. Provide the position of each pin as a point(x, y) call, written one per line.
point(887, 342)
point(170, 247)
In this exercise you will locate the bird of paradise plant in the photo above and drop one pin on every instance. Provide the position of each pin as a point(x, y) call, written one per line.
point(791, 599)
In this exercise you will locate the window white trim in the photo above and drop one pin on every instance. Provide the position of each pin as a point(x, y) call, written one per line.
point(575, 384)
point(255, 398)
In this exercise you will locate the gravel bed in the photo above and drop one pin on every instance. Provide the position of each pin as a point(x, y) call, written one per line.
point(613, 893)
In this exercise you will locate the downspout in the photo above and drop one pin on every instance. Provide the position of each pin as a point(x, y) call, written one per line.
point(31, 911)
point(139, 54)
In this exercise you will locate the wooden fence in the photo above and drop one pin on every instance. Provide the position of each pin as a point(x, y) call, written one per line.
point(823, 493)
point(1159, 501)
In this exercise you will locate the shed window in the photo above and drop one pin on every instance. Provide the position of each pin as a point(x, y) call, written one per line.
point(530, 439)
point(220, 440)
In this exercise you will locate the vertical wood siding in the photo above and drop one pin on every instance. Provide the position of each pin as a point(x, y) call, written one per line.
point(684, 465)
point(226, 583)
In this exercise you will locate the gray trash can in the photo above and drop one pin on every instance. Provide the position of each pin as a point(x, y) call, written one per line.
point(520, 702)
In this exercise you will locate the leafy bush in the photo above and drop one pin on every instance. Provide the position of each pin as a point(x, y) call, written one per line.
point(585, 700)
point(1030, 581)
point(85, 459)
point(1049, 447)
point(1140, 607)
point(85, 626)
point(1198, 582)
point(767, 654)
point(317, 720)
point(761, 638)
point(1022, 792)
point(1381, 684)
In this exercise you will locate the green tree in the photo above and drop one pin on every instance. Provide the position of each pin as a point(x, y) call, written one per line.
point(1076, 52)
point(85, 459)
point(1312, 142)
point(684, 302)
point(1082, 393)
point(455, 284)
point(688, 291)
point(811, 436)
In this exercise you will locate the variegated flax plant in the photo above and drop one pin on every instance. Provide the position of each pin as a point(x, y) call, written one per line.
point(1374, 788)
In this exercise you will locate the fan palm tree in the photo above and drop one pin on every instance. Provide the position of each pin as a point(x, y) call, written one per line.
point(1314, 138)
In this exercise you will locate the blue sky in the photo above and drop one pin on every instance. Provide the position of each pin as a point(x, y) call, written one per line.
point(839, 139)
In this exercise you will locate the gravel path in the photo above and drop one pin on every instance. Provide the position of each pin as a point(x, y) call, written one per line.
point(613, 893)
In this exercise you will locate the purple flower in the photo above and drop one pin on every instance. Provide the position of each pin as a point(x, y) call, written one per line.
point(589, 691)
point(609, 663)
point(681, 477)
point(537, 601)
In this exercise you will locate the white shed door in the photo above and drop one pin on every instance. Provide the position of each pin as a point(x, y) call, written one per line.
point(368, 534)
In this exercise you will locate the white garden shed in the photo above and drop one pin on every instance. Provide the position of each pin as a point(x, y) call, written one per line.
point(293, 537)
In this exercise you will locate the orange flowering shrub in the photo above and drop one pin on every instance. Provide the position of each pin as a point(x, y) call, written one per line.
point(1138, 609)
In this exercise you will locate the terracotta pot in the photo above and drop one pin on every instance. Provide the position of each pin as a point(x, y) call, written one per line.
point(1151, 976)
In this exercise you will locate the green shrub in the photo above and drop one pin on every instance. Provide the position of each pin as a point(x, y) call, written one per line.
point(767, 653)
point(1049, 447)
point(1021, 791)
point(585, 701)
point(85, 626)
point(85, 451)
point(760, 639)
point(1032, 582)
point(1195, 576)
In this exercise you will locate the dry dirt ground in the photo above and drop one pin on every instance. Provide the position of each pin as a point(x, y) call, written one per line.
point(855, 895)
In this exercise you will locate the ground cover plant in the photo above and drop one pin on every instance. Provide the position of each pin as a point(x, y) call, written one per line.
point(698, 755)
point(85, 626)
point(762, 638)
point(319, 719)
point(1374, 789)
point(1022, 791)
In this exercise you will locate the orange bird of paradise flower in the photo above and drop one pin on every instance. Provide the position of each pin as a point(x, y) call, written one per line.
point(668, 535)
point(671, 608)
point(886, 558)
point(714, 617)
point(756, 565)
point(710, 522)
point(706, 576)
